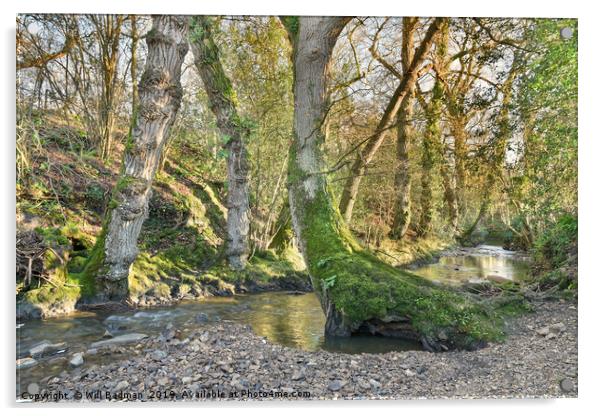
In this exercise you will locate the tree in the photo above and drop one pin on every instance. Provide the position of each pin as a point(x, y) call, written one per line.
point(430, 146)
point(108, 33)
point(357, 291)
point(405, 133)
point(499, 145)
point(236, 132)
point(366, 154)
point(160, 95)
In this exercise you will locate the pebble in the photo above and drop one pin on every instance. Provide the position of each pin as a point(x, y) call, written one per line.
point(226, 356)
point(77, 360)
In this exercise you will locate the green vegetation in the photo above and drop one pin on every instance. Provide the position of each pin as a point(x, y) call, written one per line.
point(492, 154)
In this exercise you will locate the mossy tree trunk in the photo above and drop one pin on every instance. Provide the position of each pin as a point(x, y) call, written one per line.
point(236, 132)
point(357, 291)
point(453, 175)
point(282, 239)
point(430, 146)
point(160, 95)
point(405, 133)
point(367, 153)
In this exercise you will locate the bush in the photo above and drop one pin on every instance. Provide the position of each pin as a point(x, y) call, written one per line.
point(553, 248)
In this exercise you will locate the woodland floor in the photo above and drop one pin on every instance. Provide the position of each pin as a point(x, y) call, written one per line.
point(230, 358)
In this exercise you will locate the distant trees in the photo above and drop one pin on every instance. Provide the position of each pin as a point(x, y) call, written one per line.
point(366, 154)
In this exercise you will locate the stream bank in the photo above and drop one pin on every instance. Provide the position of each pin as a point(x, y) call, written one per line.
point(227, 357)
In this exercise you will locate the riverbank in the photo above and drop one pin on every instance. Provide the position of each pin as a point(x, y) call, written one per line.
point(539, 353)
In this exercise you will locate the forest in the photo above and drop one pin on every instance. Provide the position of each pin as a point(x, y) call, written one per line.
point(167, 159)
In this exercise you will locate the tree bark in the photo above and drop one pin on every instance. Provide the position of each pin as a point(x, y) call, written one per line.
point(430, 145)
point(282, 239)
point(160, 95)
point(405, 133)
point(134, 61)
point(235, 131)
point(365, 156)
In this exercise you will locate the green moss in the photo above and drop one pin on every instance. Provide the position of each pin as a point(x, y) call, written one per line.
point(362, 287)
point(291, 24)
point(48, 296)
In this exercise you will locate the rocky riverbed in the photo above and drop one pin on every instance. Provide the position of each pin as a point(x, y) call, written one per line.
point(227, 361)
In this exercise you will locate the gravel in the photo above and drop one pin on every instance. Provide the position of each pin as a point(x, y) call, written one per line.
point(221, 361)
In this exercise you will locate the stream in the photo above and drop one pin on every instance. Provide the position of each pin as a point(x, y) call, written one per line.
point(287, 319)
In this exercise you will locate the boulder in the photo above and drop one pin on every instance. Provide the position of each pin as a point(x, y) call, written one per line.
point(45, 348)
point(119, 340)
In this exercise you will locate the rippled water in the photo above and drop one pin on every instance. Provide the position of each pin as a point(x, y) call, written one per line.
point(291, 320)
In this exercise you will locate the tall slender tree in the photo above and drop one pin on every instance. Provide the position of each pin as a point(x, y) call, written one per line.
point(405, 133)
point(236, 132)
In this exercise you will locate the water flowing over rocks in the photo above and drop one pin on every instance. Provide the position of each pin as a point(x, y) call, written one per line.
point(217, 359)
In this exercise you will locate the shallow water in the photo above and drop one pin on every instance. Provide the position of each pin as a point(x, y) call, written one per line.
point(476, 264)
point(291, 320)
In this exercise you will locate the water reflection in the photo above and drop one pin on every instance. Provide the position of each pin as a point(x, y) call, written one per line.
point(478, 263)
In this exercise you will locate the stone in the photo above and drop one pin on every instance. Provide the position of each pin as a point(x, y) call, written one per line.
point(77, 360)
point(335, 385)
point(186, 380)
point(298, 375)
point(567, 385)
point(122, 385)
point(107, 334)
point(158, 355)
point(201, 318)
point(45, 348)
point(375, 384)
point(543, 331)
point(119, 340)
point(27, 362)
point(557, 328)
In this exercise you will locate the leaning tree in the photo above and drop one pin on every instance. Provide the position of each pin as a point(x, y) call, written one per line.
point(159, 95)
point(357, 291)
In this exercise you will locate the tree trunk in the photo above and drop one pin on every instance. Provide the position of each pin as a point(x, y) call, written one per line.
point(458, 126)
point(134, 61)
point(235, 131)
point(282, 239)
point(365, 156)
point(160, 97)
point(449, 192)
point(405, 133)
point(357, 291)
point(108, 30)
point(430, 144)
